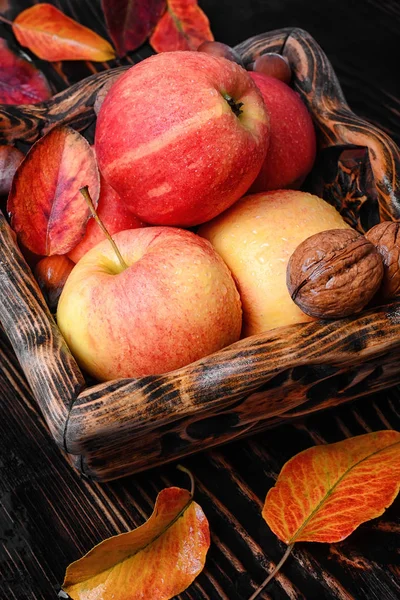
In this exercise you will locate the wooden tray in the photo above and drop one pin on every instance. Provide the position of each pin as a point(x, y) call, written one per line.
point(124, 426)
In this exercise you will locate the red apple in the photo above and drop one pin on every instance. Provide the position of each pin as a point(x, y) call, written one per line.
point(175, 303)
point(114, 216)
point(292, 145)
point(181, 136)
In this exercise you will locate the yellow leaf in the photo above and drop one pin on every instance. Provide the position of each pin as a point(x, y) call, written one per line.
point(156, 561)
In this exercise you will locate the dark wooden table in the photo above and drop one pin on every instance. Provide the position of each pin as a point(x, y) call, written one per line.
point(49, 516)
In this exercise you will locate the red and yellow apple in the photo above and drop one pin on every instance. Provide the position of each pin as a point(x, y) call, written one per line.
point(256, 238)
point(175, 303)
point(181, 136)
point(292, 145)
point(113, 214)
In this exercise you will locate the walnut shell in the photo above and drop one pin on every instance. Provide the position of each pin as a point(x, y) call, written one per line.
point(334, 273)
point(386, 238)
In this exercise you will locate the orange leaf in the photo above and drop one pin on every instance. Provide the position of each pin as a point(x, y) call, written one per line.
point(47, 211)
point(184, 26)
point(53, 36)
point(20, 80)
point(325, 492)
point(156, 561)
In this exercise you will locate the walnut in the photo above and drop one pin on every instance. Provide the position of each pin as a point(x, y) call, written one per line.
point(386, 237)
point(334, 273)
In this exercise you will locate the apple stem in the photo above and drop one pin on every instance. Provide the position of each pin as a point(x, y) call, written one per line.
point(185, 470)
point(85, 193)
point(273, 573)
point(236, 107)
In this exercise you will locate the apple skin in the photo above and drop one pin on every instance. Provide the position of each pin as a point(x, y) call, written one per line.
point(114, 216)
point(292, 145)
point(169, 143)
point(175, 303)
point(256, 238)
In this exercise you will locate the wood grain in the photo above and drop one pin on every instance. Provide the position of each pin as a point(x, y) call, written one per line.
point(43, 354)
point(73, 107)
point(50, 516)
point(122, 427)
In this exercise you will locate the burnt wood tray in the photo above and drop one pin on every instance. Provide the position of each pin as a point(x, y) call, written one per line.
point(124, 426)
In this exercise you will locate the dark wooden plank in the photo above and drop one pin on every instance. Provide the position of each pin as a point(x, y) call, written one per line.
point(49, 516)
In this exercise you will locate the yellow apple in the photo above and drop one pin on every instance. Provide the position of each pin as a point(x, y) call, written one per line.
point(256, 238)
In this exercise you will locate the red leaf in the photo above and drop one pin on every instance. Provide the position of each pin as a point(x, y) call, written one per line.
point(53, 36)
point(48, 212)
point(184, 26)
point(20, 81)
point(130, 22)
point(10, 159)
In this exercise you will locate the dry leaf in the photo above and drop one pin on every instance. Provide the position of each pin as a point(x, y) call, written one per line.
point(325, 492)
point(10, 159)
point(20, 81)
point(48, 212)
point(184, 26)
point(53, 36)
point(156, 561)
point(130, 22)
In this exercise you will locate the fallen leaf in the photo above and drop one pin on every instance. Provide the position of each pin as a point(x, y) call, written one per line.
point(53, 36)
point(156, 561)
point(325, 492)
point(20, 81)
point(184, 26)
point(48, 212)
point(10, 159)
point(130, 22)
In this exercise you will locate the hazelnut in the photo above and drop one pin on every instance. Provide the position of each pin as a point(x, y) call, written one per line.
point(334, 273)
point(51, 273)
point(386, 238)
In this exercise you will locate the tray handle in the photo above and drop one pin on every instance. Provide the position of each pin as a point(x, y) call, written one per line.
point(336, 124)
point(47, 363)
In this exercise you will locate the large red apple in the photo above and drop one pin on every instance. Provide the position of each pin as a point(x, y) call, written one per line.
point(113, 214)
point(292, 145)
point(175, 303)
point(181, 136)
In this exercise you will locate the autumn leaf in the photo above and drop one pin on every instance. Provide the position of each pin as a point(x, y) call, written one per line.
point(20, 81)
point(156, 561)
point(53, 36)
point(48, 212)
point(184, 26)
point(10, 159)
point(130, 22)
point(324, 493)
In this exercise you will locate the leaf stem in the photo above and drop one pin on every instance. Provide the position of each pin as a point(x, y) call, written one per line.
point(85, 193)
point(192, 484)
point(273, 573)
point(4, 20)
